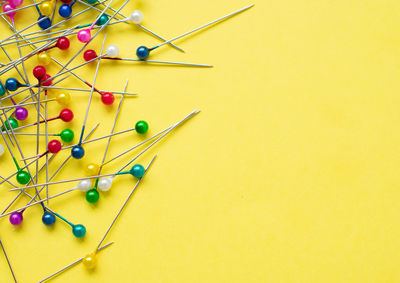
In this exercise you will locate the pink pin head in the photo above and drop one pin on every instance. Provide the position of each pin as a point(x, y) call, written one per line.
point(7, 8)
point(84, 35)
point(15, 3)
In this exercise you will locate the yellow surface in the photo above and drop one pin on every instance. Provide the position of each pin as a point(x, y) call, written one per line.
point(289, 174)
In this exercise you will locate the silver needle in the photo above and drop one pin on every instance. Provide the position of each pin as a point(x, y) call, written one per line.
point(8, 261)
point(124, 204)
point(90, 100)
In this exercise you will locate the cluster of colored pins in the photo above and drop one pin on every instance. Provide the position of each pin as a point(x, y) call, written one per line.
point(33, 79)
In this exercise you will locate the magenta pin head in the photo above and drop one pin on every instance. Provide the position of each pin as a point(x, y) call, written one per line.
point(21, 113)
point(7, 8)
point(16, 3)
point(84, 35)
point(16, 218)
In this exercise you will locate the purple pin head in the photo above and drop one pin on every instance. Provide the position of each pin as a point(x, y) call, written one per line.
point(21, 113)
point(16, 218)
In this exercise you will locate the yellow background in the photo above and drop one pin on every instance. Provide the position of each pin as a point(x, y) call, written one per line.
point(289, 174)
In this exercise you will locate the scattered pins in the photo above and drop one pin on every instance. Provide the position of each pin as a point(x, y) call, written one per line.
point(112, 51)
point(66, 115)
point(77, 151)
point(21, 113)
point(78, 230)
point(92, 196)
point(62, 43)
point(31, 202)
point(143, 52)
point(144, 127)
point(84, 35)
point(141, 128)
point(89, 261)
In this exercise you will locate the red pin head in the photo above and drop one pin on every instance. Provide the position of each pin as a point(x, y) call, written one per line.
point(54, 146)
point(107, 98)
point(89, 54)
point(39, 72)
point(46, 81)
point(66, 115)
point(63, 43)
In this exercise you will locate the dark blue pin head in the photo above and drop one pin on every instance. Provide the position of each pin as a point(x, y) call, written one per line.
point(12, 84)
point(48, 218)
point(77, 152)
point(142, 52)
point(45, 22)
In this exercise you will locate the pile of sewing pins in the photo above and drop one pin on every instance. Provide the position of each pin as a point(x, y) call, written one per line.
point(36, 78)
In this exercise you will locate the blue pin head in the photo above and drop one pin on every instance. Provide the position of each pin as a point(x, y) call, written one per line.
point(12, 84)
point(48, 218)
point(142, 52)
point(77, 152)
point(65, 10)
point(44, 24)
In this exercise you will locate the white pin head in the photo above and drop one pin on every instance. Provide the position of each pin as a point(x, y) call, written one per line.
point(1, 149)
point(136, 17)
point(112, 51)
point(84, 185)
point(105, 184)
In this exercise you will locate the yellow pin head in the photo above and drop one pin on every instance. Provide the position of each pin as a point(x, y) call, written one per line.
point(46, 8)
point(63, 98)
point(43, 58)
point(92, 169)
point(89, 261)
